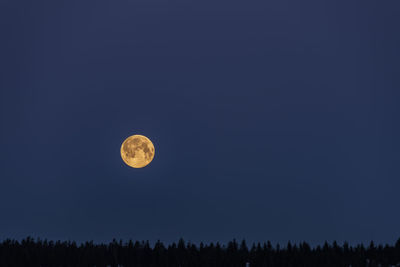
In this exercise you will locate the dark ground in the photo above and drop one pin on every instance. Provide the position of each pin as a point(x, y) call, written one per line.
point(30, 252)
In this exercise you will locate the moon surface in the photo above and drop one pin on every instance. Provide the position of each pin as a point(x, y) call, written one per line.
point(137, 151)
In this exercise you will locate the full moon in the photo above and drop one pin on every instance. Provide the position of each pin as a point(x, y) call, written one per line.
point(137, 151)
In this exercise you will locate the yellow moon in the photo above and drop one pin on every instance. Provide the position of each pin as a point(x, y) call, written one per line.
point(137, 151)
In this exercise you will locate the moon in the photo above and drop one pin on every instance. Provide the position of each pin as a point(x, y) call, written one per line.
point(137, 151)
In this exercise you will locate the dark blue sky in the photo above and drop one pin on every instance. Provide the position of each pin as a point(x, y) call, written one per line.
point(272, 120)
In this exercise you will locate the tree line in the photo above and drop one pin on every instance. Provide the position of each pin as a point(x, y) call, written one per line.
point(43, 253)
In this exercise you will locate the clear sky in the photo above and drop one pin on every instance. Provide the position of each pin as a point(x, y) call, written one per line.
point(272, 120)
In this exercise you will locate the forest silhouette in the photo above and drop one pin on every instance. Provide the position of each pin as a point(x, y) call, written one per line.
point(31, 252)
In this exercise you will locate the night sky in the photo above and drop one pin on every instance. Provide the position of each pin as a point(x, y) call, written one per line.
point(272, 120)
